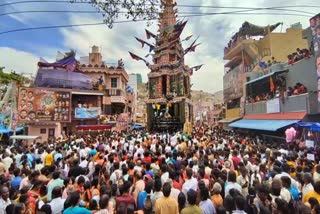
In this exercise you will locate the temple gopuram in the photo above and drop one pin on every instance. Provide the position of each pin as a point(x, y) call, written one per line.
point(169, 107)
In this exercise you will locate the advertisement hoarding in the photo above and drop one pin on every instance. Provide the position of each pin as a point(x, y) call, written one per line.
point(43, 104)
point(87, 113)
point(315, 29)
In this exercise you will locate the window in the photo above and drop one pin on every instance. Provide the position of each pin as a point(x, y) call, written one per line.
point(114, 82)
point(51, 133)
point(43, 131)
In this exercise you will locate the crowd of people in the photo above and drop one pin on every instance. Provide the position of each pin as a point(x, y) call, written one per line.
point(208, 171)
point(299, 88)
point(298, 55)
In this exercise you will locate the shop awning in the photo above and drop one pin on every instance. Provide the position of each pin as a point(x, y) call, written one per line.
point(95, 93)
point(93, 127)
point(229, 120)
point(265, 76)
point(266, 125)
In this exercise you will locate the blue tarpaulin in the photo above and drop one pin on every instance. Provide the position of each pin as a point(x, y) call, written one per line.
point(315, 127)
point(4, 130)
point(267, 125)
point(304, 124)
point(137, 126)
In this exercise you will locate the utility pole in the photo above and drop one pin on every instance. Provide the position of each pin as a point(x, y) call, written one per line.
point(13, 115)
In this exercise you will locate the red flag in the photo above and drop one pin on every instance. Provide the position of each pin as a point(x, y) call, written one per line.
point(149, 34)
point(196, 68)
point(187, 38)
point(141, 41)
point(193, 48)
point(133, 56)
point(272, 88)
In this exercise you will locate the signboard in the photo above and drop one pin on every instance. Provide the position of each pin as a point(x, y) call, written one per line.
point(273, 106)
point(309, 143)
point(122, 122)
point(315, 28)
point(39, 104)
point(87, 113)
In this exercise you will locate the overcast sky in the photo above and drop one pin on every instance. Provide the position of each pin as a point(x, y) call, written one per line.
point(20, 51)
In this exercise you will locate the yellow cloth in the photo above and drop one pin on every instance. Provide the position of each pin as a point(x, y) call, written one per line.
point(191, 210)
point(311, 194)
point(48, 160)
point(217, 200)
point(166, 205)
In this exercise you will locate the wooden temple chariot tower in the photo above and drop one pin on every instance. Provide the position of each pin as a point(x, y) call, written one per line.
point(169, 106)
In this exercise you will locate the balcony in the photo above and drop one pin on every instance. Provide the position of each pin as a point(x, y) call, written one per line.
point(116, 95)
point(298, 103)
point(256, 108)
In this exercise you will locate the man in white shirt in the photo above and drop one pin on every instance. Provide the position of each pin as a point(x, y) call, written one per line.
point(190, 183)
point(285, 167)
point(307, 187)
point(116, 174)
point(84, 162)
point(165, 174)
point(4, 199)
point(232, 183)
point(7, 160)
point(57, 202)
point(174, 192)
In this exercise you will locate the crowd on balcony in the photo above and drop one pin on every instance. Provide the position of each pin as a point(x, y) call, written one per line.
point(269, 63)
point(298, 55)
point(292, 91)
point(297, 89)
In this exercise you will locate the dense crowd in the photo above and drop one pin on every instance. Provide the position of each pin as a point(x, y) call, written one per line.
point(298, 55)
point(208, 171)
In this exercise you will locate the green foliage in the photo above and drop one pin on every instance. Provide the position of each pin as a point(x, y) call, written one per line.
point(6, 78)
point(132, 9)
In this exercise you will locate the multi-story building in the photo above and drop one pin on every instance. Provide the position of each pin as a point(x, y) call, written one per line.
point(112, 80)
point(246, 52)
point(71, 97)
point(132, 94)
point(275, 99)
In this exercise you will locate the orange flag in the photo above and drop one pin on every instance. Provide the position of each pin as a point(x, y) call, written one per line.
point(272, 88)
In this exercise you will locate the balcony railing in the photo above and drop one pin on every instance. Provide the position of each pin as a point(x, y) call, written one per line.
point(114, 92)
point(298, 103)
point(256, 108)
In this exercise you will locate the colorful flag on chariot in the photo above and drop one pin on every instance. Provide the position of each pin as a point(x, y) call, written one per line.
point(149, 34)
point(196, 68)
point(138, 58)
point(193, 48)
point(180, 26)
point(151, 47)
point(135, 57)
point(187, 38)
point(141, 41)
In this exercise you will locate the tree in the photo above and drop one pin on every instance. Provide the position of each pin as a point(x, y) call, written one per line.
point(132, 9)
point(6, 78)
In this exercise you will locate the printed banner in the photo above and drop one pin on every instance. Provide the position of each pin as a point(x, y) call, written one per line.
point(315, 28)
point(38, 104)
point(122, 122)
point(87, 113)
point(273, 106)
